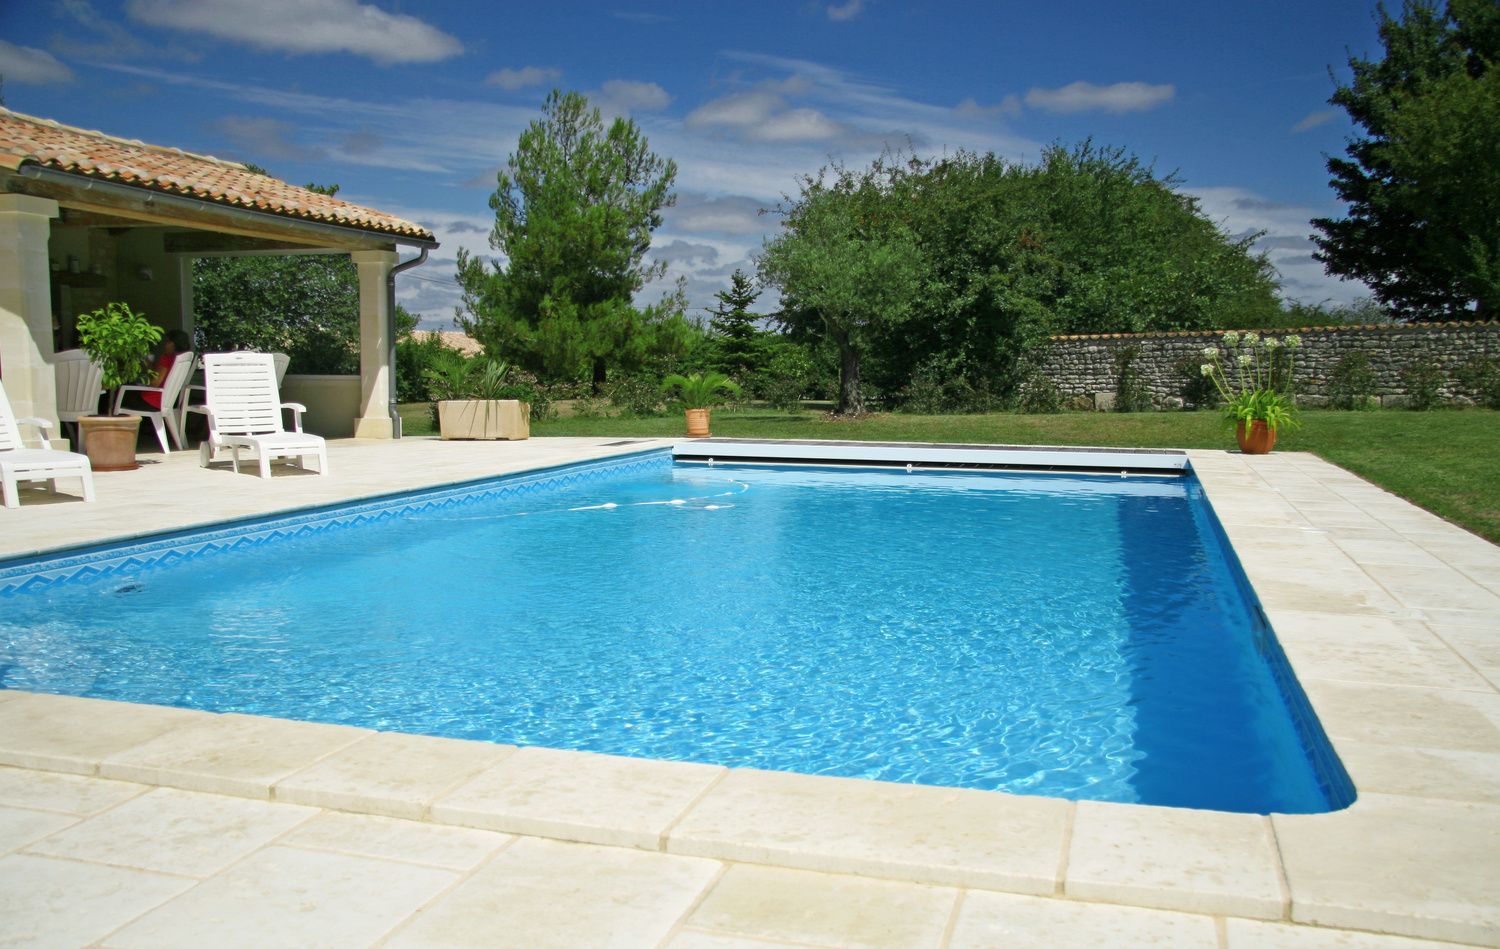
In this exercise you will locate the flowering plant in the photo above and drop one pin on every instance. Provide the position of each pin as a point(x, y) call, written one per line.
point(1253, 375)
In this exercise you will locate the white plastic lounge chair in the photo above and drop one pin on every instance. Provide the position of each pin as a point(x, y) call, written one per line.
point(80, 382)
point(244, 411)
point(163, 419)
point(185, 402)
point(282, 361)
point(18, 463)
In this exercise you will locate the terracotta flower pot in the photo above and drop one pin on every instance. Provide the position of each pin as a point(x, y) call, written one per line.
point(109, 441)
point(1258, 439)
point(697, 423)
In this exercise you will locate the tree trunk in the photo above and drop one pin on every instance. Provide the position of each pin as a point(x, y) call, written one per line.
point(599, 375)
point(851, 401)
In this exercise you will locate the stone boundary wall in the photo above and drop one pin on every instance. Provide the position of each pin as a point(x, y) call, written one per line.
point(1085, 365)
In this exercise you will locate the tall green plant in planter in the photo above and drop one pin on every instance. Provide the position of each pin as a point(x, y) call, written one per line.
point(1255, 382)
point(120, 341)
point(698, 393)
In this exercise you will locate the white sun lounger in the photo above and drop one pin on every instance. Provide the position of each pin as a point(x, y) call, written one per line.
point(19, 463)
point(244, 411)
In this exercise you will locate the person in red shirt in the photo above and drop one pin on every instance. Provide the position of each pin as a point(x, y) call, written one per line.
point(172, 343)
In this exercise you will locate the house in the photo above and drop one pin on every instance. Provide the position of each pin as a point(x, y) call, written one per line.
point(87, 218)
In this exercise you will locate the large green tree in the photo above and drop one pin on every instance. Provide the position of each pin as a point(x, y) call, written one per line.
point(574, 210)
point(848, 258)
point(1422, 180)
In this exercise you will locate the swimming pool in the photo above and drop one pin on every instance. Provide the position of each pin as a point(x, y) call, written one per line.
point(1074, 636)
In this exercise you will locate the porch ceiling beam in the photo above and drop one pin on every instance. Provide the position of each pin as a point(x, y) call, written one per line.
point(210, 243)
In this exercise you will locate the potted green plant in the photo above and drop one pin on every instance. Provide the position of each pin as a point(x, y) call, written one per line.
point(698, 393)
point(1253, 375)
point(120, 341)
point(479, 399)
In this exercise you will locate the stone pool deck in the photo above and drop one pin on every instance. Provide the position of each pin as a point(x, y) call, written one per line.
point(127, 825)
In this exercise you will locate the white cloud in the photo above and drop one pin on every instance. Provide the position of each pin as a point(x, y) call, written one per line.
point(305, 26)
point(764, 116)
point(840, 12)
point(1009, 107)
point(697, 213)
point(28, 65)
point(513, 79)
point(626, 95)
point(1286, 229)
point(1087, 97)
point(1315, 119)
point(260, 140)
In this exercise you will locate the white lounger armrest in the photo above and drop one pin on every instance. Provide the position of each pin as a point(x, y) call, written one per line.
point(297, 409)
point(120, 394)
point(42, 428)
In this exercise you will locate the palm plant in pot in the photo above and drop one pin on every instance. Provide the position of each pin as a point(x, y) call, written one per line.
point(699, 393)
point(120, 341)
point(478, 398)
point(1255, 382)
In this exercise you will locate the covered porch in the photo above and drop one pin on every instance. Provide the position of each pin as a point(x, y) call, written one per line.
point(88, 218)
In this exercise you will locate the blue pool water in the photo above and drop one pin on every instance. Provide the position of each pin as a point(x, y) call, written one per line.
point(1066, 635)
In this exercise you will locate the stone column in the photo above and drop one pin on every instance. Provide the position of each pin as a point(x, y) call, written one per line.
point(26, 306)
point(374, 343)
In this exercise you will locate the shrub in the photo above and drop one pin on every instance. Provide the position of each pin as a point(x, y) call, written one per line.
point(635, 395)
point(1423, 377)
point(1197, 390)
point(1480, 378)
point(1351, 383)
point(1039, 396)
point(1131, 394)
point(415, 357)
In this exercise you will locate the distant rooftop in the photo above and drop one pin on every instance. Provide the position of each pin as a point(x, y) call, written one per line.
point(26, 140)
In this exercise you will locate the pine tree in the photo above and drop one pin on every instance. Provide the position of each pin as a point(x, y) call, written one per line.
point(735, 334)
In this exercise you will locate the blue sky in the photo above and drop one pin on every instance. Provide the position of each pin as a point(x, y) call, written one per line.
point(412, 107)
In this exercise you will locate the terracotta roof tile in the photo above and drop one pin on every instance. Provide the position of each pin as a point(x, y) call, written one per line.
point(24, 139)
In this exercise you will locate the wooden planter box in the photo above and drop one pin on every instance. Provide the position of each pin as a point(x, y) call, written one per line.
point(505, 418)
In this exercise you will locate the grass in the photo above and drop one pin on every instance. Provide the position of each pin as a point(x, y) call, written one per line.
point(1444, 461)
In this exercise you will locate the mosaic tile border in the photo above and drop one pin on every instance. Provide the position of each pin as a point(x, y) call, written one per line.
point(33, 573)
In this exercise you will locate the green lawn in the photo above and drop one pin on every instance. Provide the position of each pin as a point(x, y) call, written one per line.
point(1446, 461)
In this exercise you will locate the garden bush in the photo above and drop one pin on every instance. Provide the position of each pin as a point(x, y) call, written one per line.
point(1480, 379)
point(1131, 394)
point(1351, 383)
point(1423, 377)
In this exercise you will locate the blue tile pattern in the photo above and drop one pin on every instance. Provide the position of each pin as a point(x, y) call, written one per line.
point(124, 559)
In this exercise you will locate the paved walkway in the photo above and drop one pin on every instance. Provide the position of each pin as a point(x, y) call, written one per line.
point(136, 825)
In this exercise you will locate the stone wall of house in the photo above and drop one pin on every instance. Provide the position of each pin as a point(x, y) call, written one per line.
point(1085, 366)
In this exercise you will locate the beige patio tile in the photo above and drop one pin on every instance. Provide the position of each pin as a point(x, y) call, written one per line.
point(924, 834)
point(172, 831)
point(1422, 772)
point(1466, 619)
point(1405, 865)
point(1387, 552)
point(1442, 587)
point(698, 939)
point(46, 902)
point(824, 909)
point(1316, 590)
point(433, 845)
point(1254, 934)
point(1174, 858)
point(390, 774)
point(63, 793)
point(64, 733)
point(1372, 649)
point(1479, 646)
point(1021, 922)
point(19, 826)
point(541, 893)
point(1408, 717)
point(7, 695)
point(574, 795)
point(230, 754)
point(283, 896)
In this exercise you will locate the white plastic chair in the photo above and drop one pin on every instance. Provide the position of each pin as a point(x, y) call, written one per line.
point(80, 382)
point(19, 463)
point(164, 418)
point(282, 361)
point(244, 411)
